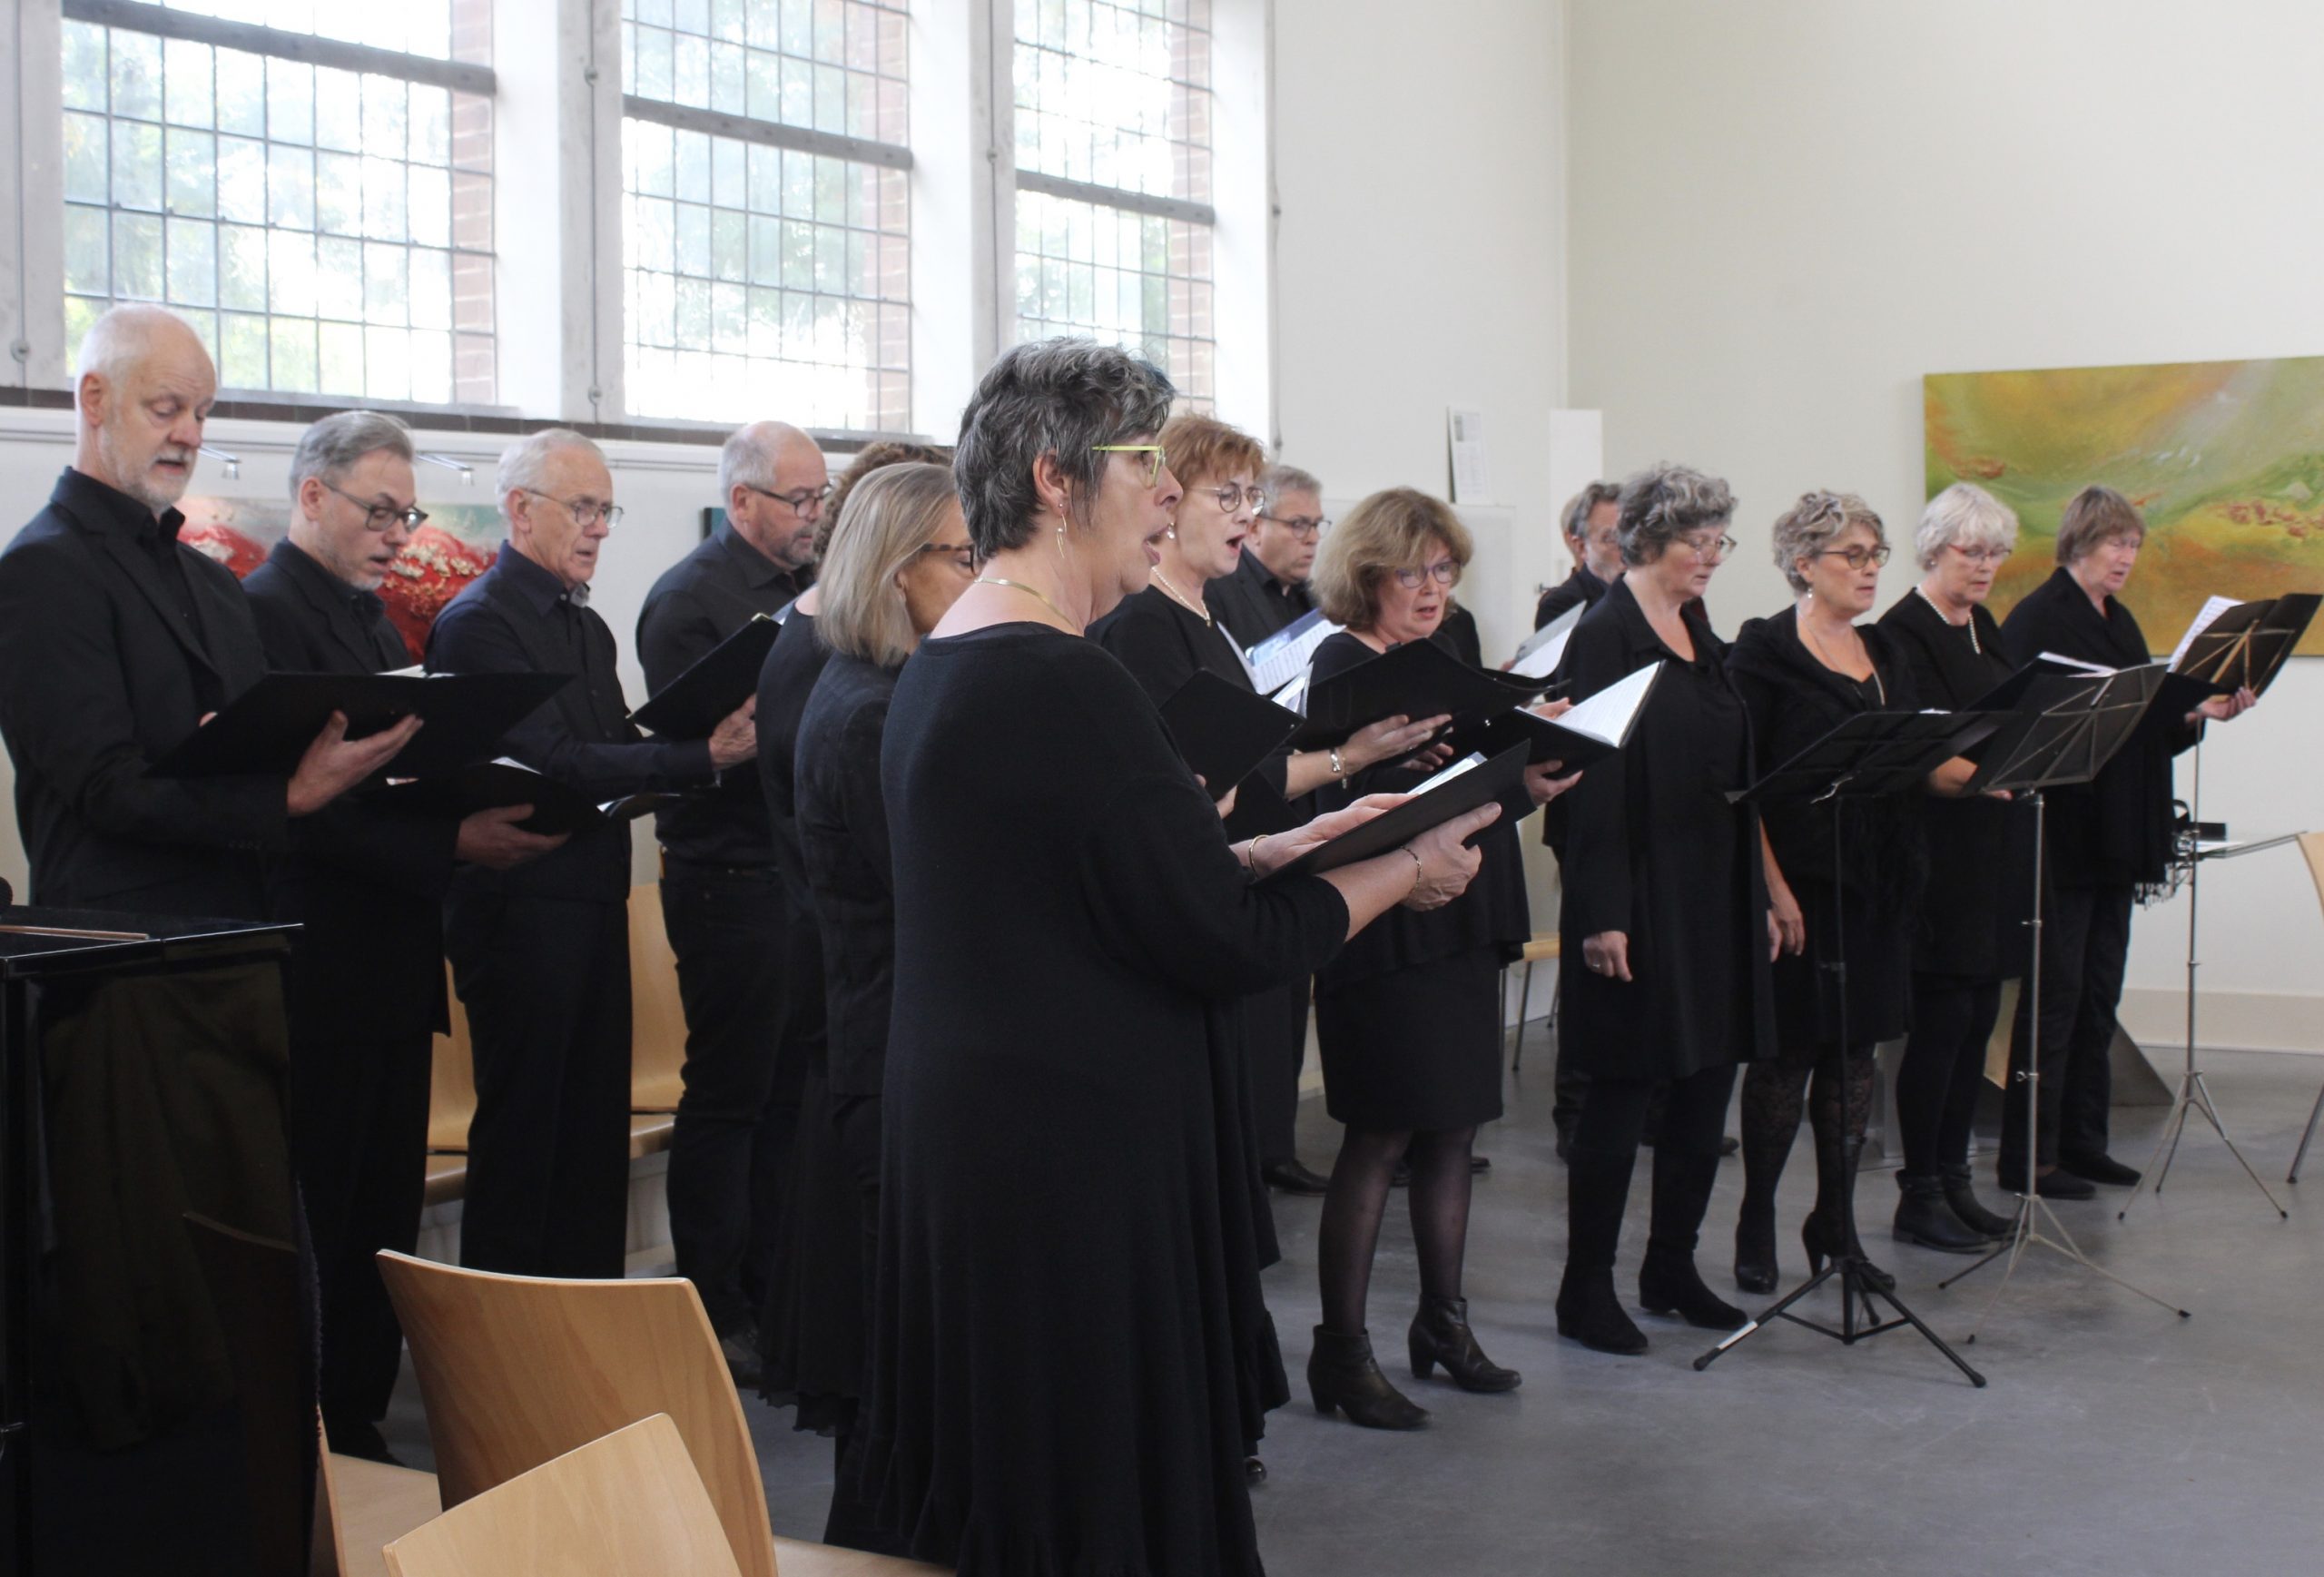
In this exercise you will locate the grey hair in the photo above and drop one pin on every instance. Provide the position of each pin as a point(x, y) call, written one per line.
point(119, 338)
point(1575, 518)
point(1963, 515)
point(1059, 397)
point(1664, 502)
point(1281, 480)
point(524, 462)
point(331, 446)
point(890, 516)
point(1814, 524)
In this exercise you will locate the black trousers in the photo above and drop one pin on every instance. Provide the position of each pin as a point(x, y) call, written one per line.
point(749, 979)
point(358, 1138)
point(1605, 1148)
point(545, 982)
point(1944, 1062)
point(2085, 948)
point(1275, 1043)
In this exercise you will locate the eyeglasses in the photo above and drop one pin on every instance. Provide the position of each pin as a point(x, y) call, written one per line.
point(384, 518)
point(584, 512)
point(1444, 572)
point(1709, 549)
point(1154, 467)
point(1300, 526)
point(806, 503)
point(1232, 496)
point(1858, 558)
point(1980, 555)
point(962, 554)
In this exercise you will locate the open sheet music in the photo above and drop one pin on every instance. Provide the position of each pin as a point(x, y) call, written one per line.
point(1285, 655)
point(1538, 658)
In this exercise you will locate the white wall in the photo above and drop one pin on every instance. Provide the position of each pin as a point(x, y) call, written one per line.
point(1782, 215)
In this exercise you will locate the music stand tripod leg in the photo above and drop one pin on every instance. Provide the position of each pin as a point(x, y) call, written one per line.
point(2204, 1104)
point(2306, 1134)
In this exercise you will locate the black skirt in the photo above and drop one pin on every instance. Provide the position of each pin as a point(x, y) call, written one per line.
point(1415, 1048)
point(1878, 953)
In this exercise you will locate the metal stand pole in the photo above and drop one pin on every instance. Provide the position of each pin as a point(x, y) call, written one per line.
point(2193, 1095)
point(2026, 1232)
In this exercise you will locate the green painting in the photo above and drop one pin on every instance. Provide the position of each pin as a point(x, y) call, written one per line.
point(2225, 458)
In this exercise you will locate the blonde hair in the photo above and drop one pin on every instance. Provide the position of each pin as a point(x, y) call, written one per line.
point(1389, 530)
point(890, 516)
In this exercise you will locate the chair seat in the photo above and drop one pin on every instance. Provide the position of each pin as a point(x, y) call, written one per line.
point(1542, 948)
point(798, 1559)
point(448, 1178)
point(376, 1504)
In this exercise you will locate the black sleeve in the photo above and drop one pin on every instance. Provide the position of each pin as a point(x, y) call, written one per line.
point(673, 633)
point(1555, 601)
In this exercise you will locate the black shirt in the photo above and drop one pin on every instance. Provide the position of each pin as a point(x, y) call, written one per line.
point(699, 601)
point(1252, 603)
point(1582, 587)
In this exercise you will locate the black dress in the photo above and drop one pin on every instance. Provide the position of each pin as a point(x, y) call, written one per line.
point(1408, 1016)
point(1654, 850)
point(1795, 700)
point(1068, 1335)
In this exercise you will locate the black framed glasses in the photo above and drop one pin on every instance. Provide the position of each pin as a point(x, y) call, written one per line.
point(1303, 527)
point(1444, 572)
point(1234, 496)
point(1157, 457)
point(584, 510)
point(1858, 558)
point(383, 517)
point(806, 503)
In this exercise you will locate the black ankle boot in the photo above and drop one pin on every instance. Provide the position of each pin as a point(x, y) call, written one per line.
point(1342, 1375)
point(1589, 1313)
point(1440, 1335)
point(1754, 1248)
point(1962, 1197)
point(1925, 1218)
point(1668, 1283)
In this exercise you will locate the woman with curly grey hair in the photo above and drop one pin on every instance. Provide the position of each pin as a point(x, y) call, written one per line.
point(1665, 925)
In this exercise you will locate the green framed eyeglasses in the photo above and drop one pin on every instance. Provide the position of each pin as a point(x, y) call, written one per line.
point(1154, 467)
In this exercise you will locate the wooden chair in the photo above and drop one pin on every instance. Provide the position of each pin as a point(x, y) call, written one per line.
point(657, 1018)
point(1542, 949)
point(630, 1504)
point(2312, 845)
point(451, 1088)
point(518, 1370)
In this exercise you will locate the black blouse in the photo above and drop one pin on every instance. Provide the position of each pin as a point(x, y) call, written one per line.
point(786, 679)
point(842, 818)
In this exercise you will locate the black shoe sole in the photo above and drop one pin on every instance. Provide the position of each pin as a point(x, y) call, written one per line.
point(1917, 1241)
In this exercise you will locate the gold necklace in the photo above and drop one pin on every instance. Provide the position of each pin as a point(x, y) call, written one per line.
point(1175, 595)
point(1034, 592)
point(1816, 645)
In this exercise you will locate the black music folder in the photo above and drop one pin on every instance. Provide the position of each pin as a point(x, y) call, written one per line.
point(1591, 731)
point(1417, 679)
point(698, 700)
point(2245, 644)
point(266, 728)
point(1223, 730)
point(1501, 778)
point(495, 784)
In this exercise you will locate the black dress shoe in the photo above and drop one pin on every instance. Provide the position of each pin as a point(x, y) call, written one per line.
point(1588, 1312)
point(1293, 1176)
point(1925, 1217)
point(2060, 1184)
point(1728, 1145)
point(1254, 1471)
point(1480, 1165)
point(1343, 1376)
point(1671, 1284)
point(2100, 1168)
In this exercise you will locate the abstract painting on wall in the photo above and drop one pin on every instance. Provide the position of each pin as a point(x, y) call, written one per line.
point(2225, 460)
point(457, 544)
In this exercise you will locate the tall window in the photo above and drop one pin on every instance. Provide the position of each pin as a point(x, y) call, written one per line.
point(765, 211)
point(308, 183)
point(1114, 221)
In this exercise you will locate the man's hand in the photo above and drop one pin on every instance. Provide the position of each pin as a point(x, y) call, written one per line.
point(1608, 953)
point(334, 763)
point(1542, 782)
point(735, 740)
point(493, 840)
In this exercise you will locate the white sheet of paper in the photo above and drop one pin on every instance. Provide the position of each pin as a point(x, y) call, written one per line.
point(1471, 473)
point(1285, 654)
point(2212, 607)
point(1293, 696)
point(1538, 657)
point(2078, 663)
point(1606, 717)
point(1475, 758)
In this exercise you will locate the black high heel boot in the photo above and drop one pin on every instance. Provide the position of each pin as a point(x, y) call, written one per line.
point(1440, 1335)
point(1962, 1197)
point(1755, 1246)
point(1342, 1375)
point(1668, 1283)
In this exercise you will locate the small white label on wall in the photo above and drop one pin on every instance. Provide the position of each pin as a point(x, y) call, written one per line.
point(1472, 476)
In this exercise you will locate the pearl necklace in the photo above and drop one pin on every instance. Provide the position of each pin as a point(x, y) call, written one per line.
point(1969, 623)
point(1175, 595)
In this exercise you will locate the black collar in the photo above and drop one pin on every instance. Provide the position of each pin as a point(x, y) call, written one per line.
point(107, 508)
point(321, 586)
point(757, 570)
point(536, 588)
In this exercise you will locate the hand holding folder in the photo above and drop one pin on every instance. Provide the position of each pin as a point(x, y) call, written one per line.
point(1447, 795)
point(1417, 679)
point(496, 784)
point(266, 730)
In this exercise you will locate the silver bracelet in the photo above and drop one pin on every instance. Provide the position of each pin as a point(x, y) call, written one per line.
point(1339, 767)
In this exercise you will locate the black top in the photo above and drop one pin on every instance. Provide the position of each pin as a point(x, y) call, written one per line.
point(1657, 851)
point(699, 601)
point(116, 638)
point(2114, 831)
point(786, 679)
point(1062, 1376)
point(518, 617)
point(367, 883)
point(842, 819)
point(1960, 927)
point(1579, 587)
point(1493, 914)
point(1163, 645)
point(1254, 603)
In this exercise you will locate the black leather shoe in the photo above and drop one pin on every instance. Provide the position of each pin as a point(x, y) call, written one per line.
point(1728, 1145)
point(1589, 1313)
point(1480, 1165)
point(1293, 1176)
point(2060, 1184)
point(1440, 1335)
point(1962, 1197)
point(2100, 1169)
point(1671, 1284)
point(1343, 1375)
point(1254, 1471)
point(1924, 1218)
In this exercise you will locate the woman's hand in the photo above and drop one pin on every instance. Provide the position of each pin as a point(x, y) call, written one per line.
point(1226, 805)
point(1551, 709)
point(1388, 739)
point(1786, 920)
point(1447, 863)
point(1775, 938)
point(1543, 783)
point(1282, 848)
point(2220, 708)
point(1608, 953)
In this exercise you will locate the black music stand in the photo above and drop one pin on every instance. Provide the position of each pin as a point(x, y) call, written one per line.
point(2066, 729)
point(1872, 754)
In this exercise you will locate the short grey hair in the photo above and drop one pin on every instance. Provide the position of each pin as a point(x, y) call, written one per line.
point(1963, 515)
point(119, 338)
point(1060, 398)
point(892, 515)
point(1663, 503)
point(1814, 524)
point(1575, 518)
point(747, 456)
point(1280, 479)
point(331, 446)
point(524, 462)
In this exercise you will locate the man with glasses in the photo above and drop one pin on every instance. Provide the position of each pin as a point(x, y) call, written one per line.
point(540, 954)
point(367, 886)
point(1268, 589)
point(1592, 522)
point(723, 903)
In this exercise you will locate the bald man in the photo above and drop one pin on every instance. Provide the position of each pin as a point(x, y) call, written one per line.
point(733, 922)
point(117, 640)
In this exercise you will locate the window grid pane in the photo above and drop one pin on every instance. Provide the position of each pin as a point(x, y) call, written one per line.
point(1117, 94)
point(324, 231)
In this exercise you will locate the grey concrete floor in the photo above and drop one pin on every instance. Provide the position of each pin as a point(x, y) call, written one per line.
point(2113, 1439)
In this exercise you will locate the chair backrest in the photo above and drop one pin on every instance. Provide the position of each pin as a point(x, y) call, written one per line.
point(2312, 845)
point(630, 1503)
point(658, 1016)
point(451, 1088)
point(517, 1370)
